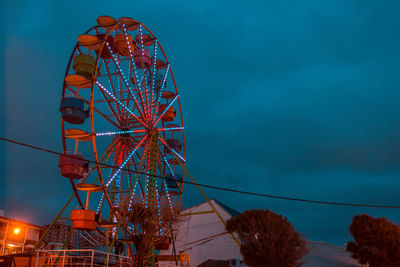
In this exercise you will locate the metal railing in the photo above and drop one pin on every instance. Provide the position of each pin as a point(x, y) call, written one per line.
point(80, 257)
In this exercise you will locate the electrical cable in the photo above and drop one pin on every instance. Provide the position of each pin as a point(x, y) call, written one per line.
point(211, 186)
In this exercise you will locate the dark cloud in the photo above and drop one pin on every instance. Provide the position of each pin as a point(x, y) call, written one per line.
point(287, 97)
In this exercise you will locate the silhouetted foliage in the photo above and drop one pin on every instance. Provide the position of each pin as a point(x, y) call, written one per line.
point(376, 241)
point(267, 239)
point(146, 229)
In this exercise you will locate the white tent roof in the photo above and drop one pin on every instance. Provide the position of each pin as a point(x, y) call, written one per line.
point(203, 227)
point(207, 228)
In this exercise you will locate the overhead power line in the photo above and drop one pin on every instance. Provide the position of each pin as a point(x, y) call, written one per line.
point(212, 186)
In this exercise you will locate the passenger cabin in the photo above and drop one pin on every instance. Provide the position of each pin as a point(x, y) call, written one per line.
point(142, 58)
point(169, 115)
point(72, 110)
point(124, 44)
point(158, 82)
point(175, 144)
point(85, 66)
point(83, 219)
point(73, 166)
point(173, 182)
point(105, 53)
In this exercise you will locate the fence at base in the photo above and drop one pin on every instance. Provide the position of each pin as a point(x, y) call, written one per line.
point(78, 257)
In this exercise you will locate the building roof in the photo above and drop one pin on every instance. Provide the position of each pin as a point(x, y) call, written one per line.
point(21, 222)
point(230, 210)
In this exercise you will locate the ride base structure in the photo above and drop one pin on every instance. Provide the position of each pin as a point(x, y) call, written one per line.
point(124, 149)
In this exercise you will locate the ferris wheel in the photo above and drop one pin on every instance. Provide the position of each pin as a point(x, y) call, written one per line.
point(122, 128)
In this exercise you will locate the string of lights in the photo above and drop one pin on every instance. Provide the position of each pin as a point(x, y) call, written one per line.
point(321, 202)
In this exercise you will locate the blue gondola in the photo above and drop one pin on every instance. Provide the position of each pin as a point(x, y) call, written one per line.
point(173, 182)
point(72, 110)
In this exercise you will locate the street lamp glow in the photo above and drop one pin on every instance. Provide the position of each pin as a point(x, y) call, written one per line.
point(17, 230)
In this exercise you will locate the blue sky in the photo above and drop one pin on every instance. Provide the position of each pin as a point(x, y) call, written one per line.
point(296, 98)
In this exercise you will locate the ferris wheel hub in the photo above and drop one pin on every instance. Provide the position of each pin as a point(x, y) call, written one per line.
point(151, 130)
point(125, 134)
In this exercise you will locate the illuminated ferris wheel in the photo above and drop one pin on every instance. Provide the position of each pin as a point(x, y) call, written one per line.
point(120, 110)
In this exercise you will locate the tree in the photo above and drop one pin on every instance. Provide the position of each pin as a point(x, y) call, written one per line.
point(376, 241)
point(146, 230)
point(267, 239)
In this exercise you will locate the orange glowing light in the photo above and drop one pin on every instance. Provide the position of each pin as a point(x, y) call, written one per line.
point(17, 230)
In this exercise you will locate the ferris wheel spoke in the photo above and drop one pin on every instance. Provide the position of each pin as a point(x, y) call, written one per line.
point(110, 82)
point(140, 158)
point(125, 161)
point(167, 164)
point(79, 50)
point(169, 168)
point(132, 61)
point(122, 76)
point(143, 89)
point(160, 165)
point(171, 149)
point(142, 101)
point(171, 129)
point(120, 103)
point(143, 72)
point(160, 93)
point(132, 142)
point(120, 132)
point(141, 47)
point(157, 195)
point(119, 179)
point(163, 181)
point(71, 90)
point(168, 196)
point(100, 206)
point(106, 154)
point(109, 104)
point(165, 110)
point(134, 79)
point(132, 167)
point(109, 149)
point(153, 78)
point(133, 189)
point(137, 179)
point(106, 118)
